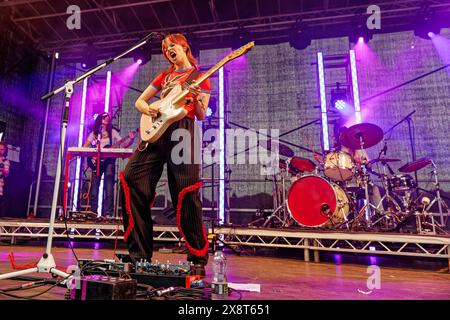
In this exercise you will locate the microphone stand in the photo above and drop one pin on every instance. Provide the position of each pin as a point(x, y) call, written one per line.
point(408, 118)
point(47, 263)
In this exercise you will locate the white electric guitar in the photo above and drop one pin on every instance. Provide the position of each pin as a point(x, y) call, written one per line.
point(171, 107)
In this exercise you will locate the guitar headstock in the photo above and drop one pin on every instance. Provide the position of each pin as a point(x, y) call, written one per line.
point(239, 52)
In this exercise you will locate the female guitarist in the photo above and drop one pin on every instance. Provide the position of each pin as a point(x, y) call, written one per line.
point(104, 133)
point(145, 166)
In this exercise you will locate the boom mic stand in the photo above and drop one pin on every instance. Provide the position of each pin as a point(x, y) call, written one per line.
point(47, 263)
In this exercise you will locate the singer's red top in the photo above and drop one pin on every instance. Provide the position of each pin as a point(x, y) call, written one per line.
point(165, 82)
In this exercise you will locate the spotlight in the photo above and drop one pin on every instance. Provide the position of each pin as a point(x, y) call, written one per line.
point(426, 24)
point(359, 32)
point(89, 59)
point(339, 98)
point(143, 54)
point(299, 36)
point(240, 38)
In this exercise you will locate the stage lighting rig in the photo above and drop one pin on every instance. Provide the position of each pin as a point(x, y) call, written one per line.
point(89, 58)
point(299, 37)
point(359, 33)
point(143, 54)
point(339, 98)
point(426, 24)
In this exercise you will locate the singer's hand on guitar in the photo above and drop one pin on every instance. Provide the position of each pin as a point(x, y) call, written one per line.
point(194, 89)
point(152, 111)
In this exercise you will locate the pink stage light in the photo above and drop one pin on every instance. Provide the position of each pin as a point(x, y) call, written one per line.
point(442, 46)
point(361, 40)
point(139, 61)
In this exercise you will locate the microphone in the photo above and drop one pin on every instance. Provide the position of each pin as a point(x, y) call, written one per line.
point(384, 148)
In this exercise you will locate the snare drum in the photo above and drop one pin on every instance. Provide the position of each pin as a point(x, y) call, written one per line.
point(338, 166)
point(402, 183)
point(314, 202)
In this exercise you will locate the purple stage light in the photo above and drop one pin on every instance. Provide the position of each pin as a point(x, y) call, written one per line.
point(139, 61)
point(431, 34)
point(361, 40)
point(83, 65)
point(340, 104)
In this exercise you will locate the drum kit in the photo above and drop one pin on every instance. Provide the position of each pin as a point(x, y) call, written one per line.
point(338, 190)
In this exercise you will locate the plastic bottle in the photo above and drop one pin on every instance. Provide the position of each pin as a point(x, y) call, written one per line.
point(219, 283)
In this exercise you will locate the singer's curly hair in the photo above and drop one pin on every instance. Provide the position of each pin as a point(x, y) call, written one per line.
point(3, 143)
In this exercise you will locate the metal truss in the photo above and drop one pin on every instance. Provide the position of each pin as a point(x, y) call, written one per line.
point(217, 30)
point(393, 244)
point(349, 242)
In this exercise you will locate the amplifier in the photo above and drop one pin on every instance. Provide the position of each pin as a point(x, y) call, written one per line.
point(101, 287)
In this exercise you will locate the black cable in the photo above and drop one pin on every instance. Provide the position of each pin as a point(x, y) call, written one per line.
point(34, 295)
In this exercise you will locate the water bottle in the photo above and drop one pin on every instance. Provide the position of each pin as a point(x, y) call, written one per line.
point(219, 284)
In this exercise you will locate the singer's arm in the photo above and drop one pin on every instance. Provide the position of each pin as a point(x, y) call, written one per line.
point(141, 102)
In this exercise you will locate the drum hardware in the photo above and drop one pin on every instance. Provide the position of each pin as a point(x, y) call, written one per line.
point(423, 218)
point(437, 198)
point(280, 214)
point(387, 209)
point(362, 136)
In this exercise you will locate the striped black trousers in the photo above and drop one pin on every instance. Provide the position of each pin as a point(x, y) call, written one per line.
point(138, 186)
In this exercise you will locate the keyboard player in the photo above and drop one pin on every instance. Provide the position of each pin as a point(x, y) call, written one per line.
point(107, 136)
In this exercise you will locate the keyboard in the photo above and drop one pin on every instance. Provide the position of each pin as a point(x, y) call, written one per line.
point(104, 152)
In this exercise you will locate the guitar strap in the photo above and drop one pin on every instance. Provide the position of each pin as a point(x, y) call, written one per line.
point(194, 75)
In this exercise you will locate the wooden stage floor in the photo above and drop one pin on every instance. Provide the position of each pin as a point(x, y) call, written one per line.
point(280, 278)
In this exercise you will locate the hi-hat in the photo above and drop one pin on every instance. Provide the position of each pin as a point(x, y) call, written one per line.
point(383, 160)
point(369, 133)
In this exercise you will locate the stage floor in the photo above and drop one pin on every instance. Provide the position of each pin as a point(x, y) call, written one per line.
point(279, 278)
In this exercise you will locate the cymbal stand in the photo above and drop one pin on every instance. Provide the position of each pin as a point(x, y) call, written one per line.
point(387, 197)
point(441, 203)
point(280, 213)
point(365, 174)
point(391, 204)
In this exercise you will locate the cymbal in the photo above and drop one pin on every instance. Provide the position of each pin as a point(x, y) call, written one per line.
point(283, 149)
point(415, 165)
point(383, 160)
point(370, 134)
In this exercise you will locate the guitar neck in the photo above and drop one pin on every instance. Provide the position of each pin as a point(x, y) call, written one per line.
point(237, 53)
point(198, 81)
